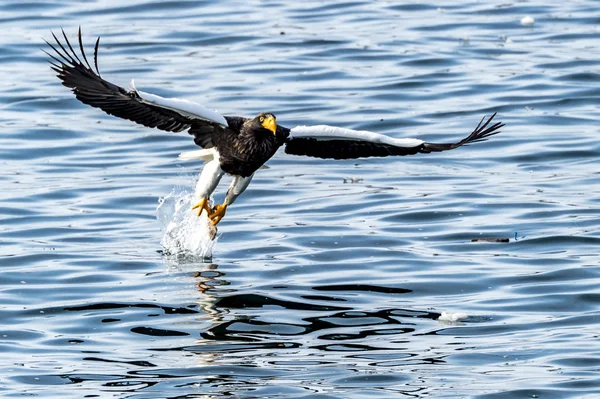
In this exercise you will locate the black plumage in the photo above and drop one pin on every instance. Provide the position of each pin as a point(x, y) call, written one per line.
point(246, 145)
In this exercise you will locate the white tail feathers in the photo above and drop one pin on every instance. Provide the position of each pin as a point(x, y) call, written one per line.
point(204, 155)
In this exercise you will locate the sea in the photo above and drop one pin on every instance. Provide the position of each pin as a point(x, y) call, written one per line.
point(472, 273)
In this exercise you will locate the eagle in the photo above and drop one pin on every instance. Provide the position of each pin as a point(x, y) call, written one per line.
point(233, 145)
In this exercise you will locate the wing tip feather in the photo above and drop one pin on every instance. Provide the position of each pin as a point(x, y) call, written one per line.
point(482, 132)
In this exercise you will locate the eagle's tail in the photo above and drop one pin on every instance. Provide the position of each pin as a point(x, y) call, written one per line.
point(203, 155)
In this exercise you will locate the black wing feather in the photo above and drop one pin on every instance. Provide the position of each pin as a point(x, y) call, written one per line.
point(343, 149)
point(351, 149)
point(91, 89)
point(481, 133)
point(83, 52)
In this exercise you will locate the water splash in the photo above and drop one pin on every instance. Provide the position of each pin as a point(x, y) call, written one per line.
point(184, 233)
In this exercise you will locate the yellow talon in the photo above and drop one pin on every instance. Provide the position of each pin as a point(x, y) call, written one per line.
point(218, 214)
point(202, 205)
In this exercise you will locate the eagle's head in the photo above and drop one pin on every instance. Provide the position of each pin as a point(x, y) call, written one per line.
point(265, 120)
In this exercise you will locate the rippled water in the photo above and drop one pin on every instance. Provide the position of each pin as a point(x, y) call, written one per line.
point(327, 278)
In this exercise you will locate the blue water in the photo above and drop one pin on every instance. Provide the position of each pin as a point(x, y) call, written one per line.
point(328, 278)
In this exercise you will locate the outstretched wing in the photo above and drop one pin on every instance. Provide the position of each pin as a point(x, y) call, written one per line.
point(333, 142)
point(169, 114)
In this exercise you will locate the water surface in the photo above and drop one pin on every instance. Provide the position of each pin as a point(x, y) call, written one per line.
point(327, 278)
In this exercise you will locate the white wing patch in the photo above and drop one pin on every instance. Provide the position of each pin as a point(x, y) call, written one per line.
point(324, 132)
point(184, 107)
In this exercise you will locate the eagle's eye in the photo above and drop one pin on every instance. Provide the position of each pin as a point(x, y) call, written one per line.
point(262, 119)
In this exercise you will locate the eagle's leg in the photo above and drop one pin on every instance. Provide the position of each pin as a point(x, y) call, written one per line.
point(202, 205)
point(208, 181)
point(237, 186)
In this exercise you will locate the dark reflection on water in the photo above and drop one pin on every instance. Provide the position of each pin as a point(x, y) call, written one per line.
point(331, 276)
point(257, 348)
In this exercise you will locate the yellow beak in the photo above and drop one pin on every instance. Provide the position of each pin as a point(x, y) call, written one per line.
point(270, 124)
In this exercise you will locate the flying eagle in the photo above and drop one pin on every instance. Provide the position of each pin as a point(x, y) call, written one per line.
point(234, 145)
